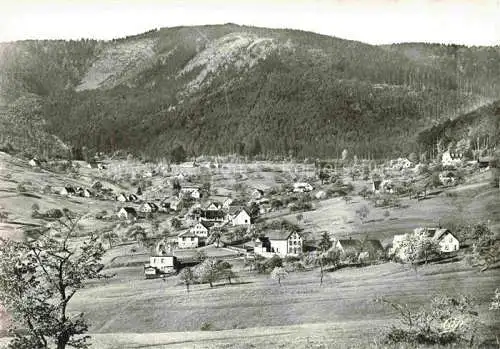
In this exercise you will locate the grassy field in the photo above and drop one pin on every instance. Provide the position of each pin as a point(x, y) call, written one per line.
point(130, 304)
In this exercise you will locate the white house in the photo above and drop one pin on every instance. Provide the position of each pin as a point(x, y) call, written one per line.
point(302, 187)
point(193, 192)
point(202, 229)
point(241, 217)
point(188, 240)
point(279, 242)
point(451, 159)
point(446, 240)
point(163, 263)
point(127, 213)
point(148, 207)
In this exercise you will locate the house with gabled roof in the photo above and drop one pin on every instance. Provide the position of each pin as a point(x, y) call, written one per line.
point(68, 190)
point(240, 216)
point(202, 229)
point(192, 192)
point(446, 240)
point(128, 213)
point(349, 246)
point(149, 207)
point(188, 239)
point(214, 216)
point(279, 242)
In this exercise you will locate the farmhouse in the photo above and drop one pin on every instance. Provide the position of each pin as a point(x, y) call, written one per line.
point(192, 192)
point(148, 207)
point(68, 191)
point(373, 249)
point(127, 213)
point(202, 229)
point(446, 240)
point(279, 242)
point(302, 187)
point(451, 159)
point(350, 246)
point(165, 264)
point(188, 240)
point(214, 216)
point(240, 217)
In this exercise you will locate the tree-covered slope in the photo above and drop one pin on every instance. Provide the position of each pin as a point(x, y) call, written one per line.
point(226, 88)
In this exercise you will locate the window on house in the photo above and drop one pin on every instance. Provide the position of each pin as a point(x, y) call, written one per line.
point(183, 238)
point(162, 260)
point(192, 239)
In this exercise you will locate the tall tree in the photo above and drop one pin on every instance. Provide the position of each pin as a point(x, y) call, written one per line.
point(39, 279)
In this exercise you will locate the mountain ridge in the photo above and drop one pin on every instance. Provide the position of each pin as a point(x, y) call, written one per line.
point(294, 92)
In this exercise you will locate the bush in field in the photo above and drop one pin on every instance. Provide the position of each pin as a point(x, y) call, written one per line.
point(444, 321)
point(415, 247)
point(187, 277)
point(278, 274)
point(363, 213)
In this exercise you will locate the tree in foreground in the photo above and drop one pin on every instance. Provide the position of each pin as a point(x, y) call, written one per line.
point(187, 277)
point(416, 247)
point(39, 279)
point(208, 271)
point(279, 273)
point(444, 321)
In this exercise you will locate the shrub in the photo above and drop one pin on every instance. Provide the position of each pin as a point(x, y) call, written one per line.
point(206, 326)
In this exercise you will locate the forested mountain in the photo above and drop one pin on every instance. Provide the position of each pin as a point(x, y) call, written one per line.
point(229, 88)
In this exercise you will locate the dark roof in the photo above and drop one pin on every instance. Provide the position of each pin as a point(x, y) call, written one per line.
point(206, 224)
point(212, 214)
point(351, 245)
point(376, 184)
point(69, 189)
point(437, 233)
point(374, 245)
point(130, 210)
point(278, 234)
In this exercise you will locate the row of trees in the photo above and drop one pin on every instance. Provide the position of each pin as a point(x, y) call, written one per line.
point(210, 270)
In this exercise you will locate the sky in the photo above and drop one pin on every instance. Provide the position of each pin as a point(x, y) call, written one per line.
point(468, 22)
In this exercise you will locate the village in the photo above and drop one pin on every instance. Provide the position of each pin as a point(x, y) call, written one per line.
point(228, 225)
point(201, 220)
